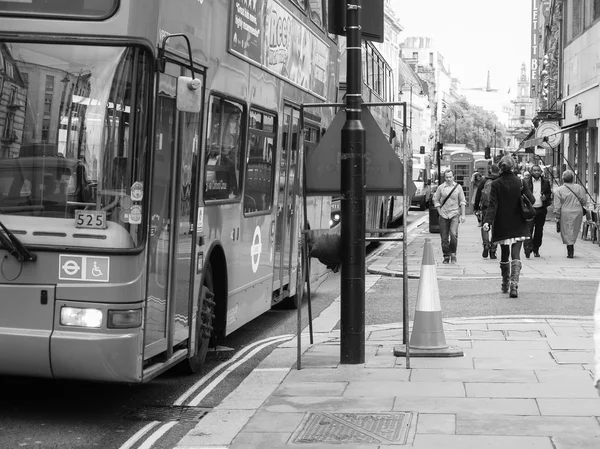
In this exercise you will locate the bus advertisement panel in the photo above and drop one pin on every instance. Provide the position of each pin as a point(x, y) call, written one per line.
point(148, 198)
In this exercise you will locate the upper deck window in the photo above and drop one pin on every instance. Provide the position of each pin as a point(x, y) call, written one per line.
point(65, 9)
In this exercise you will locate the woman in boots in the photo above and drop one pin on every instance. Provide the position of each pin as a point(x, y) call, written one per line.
point(509, 228)
point(568, 201)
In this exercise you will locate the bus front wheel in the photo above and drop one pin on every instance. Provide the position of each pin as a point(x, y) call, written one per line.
point(204, 321)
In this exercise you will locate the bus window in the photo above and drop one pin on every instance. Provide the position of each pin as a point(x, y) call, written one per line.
point(258, 191)
point(222, 168)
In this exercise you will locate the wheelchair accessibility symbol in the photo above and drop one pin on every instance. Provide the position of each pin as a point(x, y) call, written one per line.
point(96, 272)
point(84, 268)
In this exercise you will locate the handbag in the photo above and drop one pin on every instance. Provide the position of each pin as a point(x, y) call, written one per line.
point(527, 210)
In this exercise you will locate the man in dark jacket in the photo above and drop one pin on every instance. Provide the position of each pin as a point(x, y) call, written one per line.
point(542, 192)
point(480, 207)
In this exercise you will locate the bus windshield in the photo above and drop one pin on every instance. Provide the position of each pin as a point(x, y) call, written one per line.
point(70, 156)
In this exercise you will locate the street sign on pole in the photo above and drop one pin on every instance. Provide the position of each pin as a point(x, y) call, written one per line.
point(383, 168)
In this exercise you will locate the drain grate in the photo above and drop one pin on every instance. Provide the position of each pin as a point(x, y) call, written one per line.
point(167, 413)
point(377, 428)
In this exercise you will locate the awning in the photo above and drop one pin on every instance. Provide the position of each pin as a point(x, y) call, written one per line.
point(573, 126)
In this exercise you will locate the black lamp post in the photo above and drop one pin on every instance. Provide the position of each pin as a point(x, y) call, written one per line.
point(495, 150)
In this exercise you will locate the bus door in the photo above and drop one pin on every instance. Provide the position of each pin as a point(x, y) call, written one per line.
point(285, 242)
point(172, 274)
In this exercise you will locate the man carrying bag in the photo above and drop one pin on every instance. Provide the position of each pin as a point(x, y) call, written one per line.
point(449, 199)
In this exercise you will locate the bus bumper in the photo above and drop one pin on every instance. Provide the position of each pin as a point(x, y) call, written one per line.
point(97, 357)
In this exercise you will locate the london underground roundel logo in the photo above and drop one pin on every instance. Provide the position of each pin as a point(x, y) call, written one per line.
point(256, 249)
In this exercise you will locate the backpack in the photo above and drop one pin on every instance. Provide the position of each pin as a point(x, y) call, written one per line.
point(485, 194)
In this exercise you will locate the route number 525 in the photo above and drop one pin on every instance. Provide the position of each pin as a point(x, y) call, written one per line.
point(90, 219)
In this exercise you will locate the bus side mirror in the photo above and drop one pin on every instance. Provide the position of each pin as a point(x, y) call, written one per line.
point(189, 94)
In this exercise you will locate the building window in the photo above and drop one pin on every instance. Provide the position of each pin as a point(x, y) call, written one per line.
point(8, 127)
point(415, 55)
point(522, 111)
point(45, 130)
point(431, 59)
point(9, 70)
point(49, 83)
point(13, 96)
point(47, 104)
point(580, 15)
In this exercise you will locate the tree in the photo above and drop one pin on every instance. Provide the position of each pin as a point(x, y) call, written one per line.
point(473, 126)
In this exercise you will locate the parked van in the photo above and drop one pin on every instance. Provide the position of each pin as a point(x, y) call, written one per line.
point(421, 176)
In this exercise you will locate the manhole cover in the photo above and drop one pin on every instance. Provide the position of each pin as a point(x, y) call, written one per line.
point(164, 413)
point(377, 428)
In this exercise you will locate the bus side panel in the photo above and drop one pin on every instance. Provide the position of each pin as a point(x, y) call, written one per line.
point(255, 273)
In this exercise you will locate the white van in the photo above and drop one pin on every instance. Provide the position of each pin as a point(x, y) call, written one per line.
point(421, 176)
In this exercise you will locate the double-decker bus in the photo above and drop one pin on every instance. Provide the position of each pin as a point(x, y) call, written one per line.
point(377, 87)
point(482, 165)
point(149, 152)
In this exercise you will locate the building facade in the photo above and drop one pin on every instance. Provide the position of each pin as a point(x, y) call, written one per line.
point(565, 84)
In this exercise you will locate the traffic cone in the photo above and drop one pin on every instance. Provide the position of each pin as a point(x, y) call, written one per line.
point(427, 338)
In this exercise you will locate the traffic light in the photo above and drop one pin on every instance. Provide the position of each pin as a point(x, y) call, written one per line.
point(439, 146)
point(488, 152)
point(422, 149)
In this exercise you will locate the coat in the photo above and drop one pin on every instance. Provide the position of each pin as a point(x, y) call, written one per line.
point(476, 205)
point(504, 211)
point(568, 210)
point(546, 189)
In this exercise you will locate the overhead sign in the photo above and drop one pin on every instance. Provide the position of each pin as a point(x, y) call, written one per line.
point(535, 47)
point(383, 167)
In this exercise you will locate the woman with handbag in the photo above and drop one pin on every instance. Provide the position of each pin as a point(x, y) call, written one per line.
point(505, 215)
point(569, 206)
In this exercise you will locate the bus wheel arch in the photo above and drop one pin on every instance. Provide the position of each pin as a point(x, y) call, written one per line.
point(217, 261)
point(211, 302)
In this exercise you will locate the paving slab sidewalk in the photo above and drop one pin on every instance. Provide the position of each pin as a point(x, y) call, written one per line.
point(523, 382)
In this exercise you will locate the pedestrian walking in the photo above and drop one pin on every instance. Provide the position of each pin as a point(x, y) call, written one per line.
point(509, 228)
point(482, 201)
point(542, 192)
point(569, 201)
point(449, 199)
point(475, 182)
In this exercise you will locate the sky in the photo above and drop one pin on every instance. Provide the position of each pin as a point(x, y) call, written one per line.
point(474, 36)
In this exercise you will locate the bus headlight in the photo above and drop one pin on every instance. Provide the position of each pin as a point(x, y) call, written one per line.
point(334, 220)
point(124, 319)
point(75, 316)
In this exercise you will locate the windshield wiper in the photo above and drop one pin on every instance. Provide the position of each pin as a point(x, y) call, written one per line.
point(14, 246)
